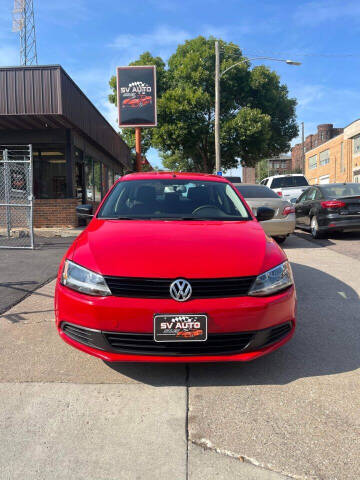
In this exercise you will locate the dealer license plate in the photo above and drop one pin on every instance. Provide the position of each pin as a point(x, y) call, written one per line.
point(180, 328)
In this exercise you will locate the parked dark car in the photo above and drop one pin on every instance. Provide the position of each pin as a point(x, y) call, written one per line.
point(328, 208)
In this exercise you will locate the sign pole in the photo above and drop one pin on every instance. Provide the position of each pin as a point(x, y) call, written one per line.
point(138, 148)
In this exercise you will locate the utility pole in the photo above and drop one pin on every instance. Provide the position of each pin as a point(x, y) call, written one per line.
point(302, 148)
point(138, 148)
point(217, 108)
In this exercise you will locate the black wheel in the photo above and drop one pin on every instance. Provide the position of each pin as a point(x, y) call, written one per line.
point(315, 232)
point(280, 239)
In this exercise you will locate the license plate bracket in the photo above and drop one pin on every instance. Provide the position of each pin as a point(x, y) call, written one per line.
point(180, 327)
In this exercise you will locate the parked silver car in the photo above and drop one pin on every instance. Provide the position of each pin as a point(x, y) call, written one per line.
point(283, 222)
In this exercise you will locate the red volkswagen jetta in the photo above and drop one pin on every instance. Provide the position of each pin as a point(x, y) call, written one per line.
point(174, 267)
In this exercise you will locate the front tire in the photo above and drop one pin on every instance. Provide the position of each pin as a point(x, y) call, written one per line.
point(315, 232)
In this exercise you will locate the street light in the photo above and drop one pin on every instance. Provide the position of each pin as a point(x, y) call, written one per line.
point(218, 75)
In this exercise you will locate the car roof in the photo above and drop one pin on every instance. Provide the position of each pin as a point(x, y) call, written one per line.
point(287, 175)
point(334, 184)
point(171, 175)
point(251, 185)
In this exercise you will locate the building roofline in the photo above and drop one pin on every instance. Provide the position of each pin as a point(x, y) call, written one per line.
point(352, 123)
point(58, 66)
point(322, 144)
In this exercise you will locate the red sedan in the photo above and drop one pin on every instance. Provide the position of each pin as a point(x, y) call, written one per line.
point(172, 252)
point(136, 102)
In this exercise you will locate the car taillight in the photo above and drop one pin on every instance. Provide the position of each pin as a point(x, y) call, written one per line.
point(279, 193)
point(333, 204)
point(288, 210)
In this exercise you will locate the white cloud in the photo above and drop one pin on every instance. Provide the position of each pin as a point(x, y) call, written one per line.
point(320, 11)
point(161, 36)
point(309, 94)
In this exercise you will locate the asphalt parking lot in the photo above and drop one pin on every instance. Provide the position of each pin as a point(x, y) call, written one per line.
point(292, 414)
point(346, 243)
point(23, 271)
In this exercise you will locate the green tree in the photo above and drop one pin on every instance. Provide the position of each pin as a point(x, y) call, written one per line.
point(257, 117)
point(261, 170)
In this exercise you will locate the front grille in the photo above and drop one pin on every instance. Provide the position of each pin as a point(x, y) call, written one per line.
point(87, 336)
point(144, 344)
point(216, 344)
point(160, 287)
point(277, 333)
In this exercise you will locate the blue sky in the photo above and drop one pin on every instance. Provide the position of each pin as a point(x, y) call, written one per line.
point(90, 38)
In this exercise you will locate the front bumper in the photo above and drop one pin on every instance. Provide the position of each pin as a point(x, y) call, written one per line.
point(119, 315)
point(99, 344)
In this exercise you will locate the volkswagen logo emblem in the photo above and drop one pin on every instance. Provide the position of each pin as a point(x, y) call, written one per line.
point(180, 290)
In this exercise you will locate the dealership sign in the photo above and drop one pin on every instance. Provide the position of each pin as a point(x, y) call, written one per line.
point(136, 92)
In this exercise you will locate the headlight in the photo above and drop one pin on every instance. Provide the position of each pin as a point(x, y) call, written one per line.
point(83, 280)
point(272, 281)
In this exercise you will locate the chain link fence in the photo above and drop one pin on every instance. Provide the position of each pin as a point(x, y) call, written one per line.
point(16, 197)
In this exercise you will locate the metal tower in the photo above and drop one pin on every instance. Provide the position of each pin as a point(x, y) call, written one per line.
point(23, 22)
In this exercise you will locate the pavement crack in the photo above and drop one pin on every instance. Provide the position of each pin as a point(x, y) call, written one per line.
point(207, 445)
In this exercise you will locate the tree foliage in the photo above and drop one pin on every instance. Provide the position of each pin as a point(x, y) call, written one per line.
point(257, 117)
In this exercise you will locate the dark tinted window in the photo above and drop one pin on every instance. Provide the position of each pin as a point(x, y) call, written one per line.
point(174, 199)
point(334, 191)
point(311, 194)
point(302, 197)
point(234, 179)
point(256, 191)
point(283, 182)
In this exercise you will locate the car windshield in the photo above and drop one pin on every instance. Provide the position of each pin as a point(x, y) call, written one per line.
point(345, 190)
point(256, 191)
point(174, 199)
point(283, 182)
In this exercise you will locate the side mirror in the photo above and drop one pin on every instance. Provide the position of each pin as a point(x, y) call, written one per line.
point(84, 210)
point(265, 213)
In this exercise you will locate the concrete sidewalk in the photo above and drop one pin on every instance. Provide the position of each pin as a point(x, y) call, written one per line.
point(293, 414)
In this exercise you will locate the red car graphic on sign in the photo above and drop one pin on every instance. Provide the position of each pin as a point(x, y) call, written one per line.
point(136, 102)
point(187, 334)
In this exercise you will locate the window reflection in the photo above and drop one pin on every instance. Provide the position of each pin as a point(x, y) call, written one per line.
point(49, 173)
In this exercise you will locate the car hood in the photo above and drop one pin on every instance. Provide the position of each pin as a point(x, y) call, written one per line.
point(171, 249)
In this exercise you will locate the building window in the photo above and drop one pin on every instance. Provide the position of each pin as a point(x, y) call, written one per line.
point(342, 164)
point(97, 181)
point(110, 177)
point(89, 179)
point(356, 145)
point(312, 162)
point(105, 186)
point(49, 173)
point(324, 157)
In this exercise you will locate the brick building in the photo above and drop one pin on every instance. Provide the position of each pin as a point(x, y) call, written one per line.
point(77, 154)
point(279, 165)
point(325, 132)
point(336, 160)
